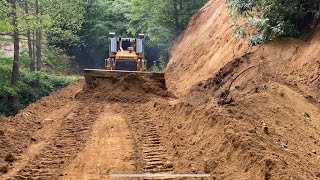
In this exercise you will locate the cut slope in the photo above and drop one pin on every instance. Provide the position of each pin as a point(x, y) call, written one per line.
point(271, 128)
point(206, 46)
point(209, 44)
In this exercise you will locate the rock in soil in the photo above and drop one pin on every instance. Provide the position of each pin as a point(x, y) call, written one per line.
point(9, 158)
point(3, 169)
point(168, 165)
point(1, 133)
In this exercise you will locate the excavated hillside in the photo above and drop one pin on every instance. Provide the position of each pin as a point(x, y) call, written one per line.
point(271, 118)
point(228, 110)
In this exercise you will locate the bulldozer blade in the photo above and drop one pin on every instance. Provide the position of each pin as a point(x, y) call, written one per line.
point(91, 74)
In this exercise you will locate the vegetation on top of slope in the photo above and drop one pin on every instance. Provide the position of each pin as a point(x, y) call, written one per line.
point(267, 19)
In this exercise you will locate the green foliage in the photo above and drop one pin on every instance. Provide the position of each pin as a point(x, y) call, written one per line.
point(162, 21)
point(56, 61)
point(266, 19)
point(5, 22)
point(100, 18)
point(159, 20)
point(155, 68)
point(59, 19)
point(65, 20)
point(31, 87)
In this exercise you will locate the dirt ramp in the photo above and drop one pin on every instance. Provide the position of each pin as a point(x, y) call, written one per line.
point(132, 88)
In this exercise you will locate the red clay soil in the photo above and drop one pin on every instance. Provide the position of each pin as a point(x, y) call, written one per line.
point(269, 128)
point(238, 112)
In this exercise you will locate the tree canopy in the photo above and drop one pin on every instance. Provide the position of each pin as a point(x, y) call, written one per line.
point(161, 21)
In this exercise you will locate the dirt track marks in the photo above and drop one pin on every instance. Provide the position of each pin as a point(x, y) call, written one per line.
point(150, 149)
point(64, 145)
point(107, 151)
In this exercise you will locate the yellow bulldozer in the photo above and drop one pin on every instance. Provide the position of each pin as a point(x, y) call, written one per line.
point(126, 50)
point(126, 56)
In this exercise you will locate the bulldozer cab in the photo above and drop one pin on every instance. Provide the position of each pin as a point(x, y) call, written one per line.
point(126, 44)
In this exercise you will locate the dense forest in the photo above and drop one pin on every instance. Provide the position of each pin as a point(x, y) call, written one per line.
point(54, 38)
point(162, 21)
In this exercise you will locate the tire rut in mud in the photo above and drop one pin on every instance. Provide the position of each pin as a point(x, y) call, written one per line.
point(68, 140)
point(151, 153)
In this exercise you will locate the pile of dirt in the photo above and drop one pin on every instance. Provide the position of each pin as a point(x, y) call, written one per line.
point(132, 88)
point(268, 126)
point(245, 140)
point(219, 85)
point(17, 133)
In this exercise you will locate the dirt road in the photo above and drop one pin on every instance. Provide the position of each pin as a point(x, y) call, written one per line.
point(108, 150)
point(92, 135)
point(88, 139)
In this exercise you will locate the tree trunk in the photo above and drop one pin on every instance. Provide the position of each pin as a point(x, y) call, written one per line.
point(38, 47)
point(176, 15)
point(34, 48)
point(15, 68)
point(31, 60)
point(38, 41)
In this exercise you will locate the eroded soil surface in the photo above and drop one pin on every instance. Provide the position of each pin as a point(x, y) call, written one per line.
point(89, 138)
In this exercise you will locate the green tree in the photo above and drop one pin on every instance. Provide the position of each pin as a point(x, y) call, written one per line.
point(40, 18)
point(29, 40)
point(266, 19)
point(5, 19)
point(15, 68)
point(100, 18)
point(161, 20)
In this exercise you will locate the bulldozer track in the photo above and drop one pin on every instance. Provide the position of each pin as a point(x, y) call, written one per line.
point(68, 140)
point(150, 147)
